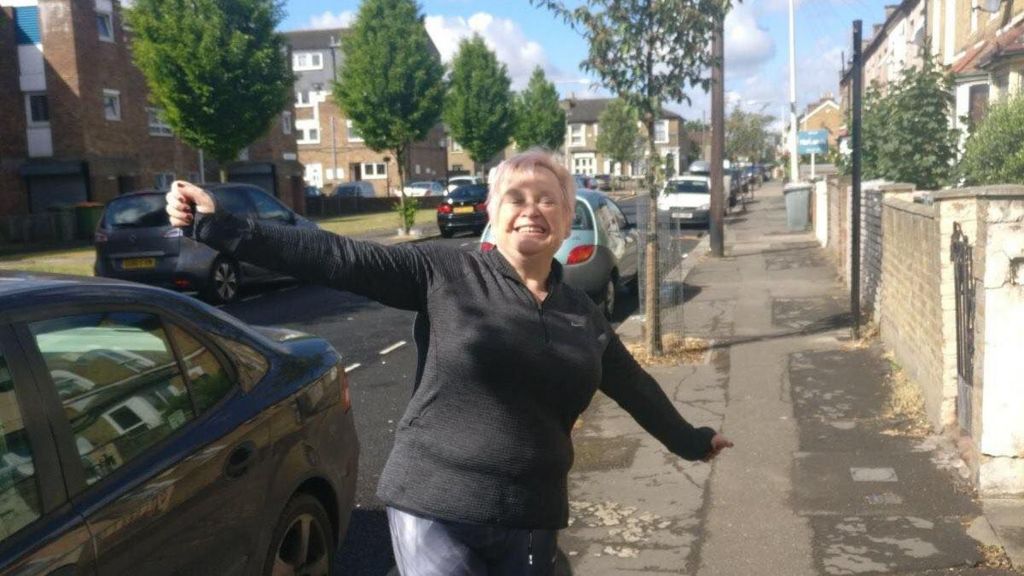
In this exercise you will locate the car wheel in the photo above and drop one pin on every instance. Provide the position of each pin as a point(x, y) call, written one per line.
point(447, 232)
point(608, 304)
point(225, 279)
point(302, 541)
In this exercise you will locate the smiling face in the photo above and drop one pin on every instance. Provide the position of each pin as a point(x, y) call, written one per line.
point(530, 219)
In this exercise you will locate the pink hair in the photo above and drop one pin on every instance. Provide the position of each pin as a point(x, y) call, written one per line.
point(528, 162)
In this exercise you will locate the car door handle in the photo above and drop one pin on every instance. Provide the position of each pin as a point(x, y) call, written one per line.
point(240, 459)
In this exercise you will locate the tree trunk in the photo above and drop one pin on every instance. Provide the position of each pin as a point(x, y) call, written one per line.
point(400, 160)
point(652, 304)
point(223, 173)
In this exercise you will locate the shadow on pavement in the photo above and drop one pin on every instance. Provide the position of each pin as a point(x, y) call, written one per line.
point(367, 547)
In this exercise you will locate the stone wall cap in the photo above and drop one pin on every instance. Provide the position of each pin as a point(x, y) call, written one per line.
point(994, 191)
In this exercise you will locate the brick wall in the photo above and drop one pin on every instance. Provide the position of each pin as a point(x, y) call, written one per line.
point(911, 321)
point(839, 224)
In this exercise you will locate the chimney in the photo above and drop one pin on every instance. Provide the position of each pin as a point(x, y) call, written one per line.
point(889, 10)
point(874, 31)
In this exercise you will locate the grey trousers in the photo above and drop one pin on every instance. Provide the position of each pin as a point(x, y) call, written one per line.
point(428, 547)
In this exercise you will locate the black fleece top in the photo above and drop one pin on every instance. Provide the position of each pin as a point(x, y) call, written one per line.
point(486, 437)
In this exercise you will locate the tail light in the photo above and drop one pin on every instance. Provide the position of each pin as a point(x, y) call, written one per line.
point(100, 237)
point(444, 208)
point(481, 207)
point(486, 246)
point(581, 254)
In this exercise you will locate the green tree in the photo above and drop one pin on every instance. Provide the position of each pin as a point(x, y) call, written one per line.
point(618, 136)
point(216, 68)
point(391, 81)
point(747, 135)
point(906, 135)
point(647, 52)
point(539, 120)
point(993, 153)
point(479, 106)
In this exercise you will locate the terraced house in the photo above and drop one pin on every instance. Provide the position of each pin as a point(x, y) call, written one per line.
point(76, 123)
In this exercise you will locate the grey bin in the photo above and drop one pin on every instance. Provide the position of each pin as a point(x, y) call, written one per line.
point(798, 205)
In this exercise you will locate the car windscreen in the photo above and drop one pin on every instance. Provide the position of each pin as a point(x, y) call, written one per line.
point(469, 193)
point(582, 221)
point(142, 211)
point(687, 187)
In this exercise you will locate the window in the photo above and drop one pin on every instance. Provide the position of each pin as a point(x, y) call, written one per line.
point(308, 135)
point(456, 147)
point(375, 171)
point(661, 132)
point(157, 126)
point(314, 174)
point(352, 133)
point(112, 104)
point(286, 122)
point(234, 200)
point(583, 164)
point(19, 491)
point(119, 383)
point(977, 106)
point(208, 381)
point(576, 134)
point(307, 61)
point(303, 99)
point(105, 25)
point(37, 107)
point(268, 208)
point(164, 180)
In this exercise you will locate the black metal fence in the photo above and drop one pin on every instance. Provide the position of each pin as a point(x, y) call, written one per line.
point(961, 253)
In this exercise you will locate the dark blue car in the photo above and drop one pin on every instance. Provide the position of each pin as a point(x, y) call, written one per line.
point(144, 432)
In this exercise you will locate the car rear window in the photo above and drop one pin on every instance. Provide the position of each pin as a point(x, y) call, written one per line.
point(469, 193)
point(137, 212)
point(582, 220)
point(687, 187)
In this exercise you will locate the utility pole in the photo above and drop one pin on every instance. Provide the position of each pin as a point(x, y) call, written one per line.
point(794, 160)
point(717, 139)
point(858, 88)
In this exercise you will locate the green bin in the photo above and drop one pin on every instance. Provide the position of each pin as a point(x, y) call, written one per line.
point(87, 217)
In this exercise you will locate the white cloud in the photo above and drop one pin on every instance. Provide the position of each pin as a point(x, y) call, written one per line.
point(747, 44)
point(503, 36)
point(329, 19)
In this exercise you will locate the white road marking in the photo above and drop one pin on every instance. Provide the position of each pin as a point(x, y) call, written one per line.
point(352, 367)
point(392, 348)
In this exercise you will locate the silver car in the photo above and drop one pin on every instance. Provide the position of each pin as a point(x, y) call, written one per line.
point(600, 255)
point(135, 241)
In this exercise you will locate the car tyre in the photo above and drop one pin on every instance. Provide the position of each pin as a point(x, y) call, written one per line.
point(447, 232)
point(302, 542)
point(224, 281)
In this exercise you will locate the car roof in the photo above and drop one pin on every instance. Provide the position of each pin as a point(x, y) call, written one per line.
point(17, 286)
point(591, 197)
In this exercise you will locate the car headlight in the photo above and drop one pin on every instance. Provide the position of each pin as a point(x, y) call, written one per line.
point(704, 207)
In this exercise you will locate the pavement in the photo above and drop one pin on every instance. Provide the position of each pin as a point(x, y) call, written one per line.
point(826, 476)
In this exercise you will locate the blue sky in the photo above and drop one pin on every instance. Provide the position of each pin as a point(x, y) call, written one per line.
point(757, 44)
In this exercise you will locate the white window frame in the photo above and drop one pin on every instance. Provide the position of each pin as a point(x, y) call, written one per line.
point(379, 170)
point(307, 60)
point(116, 95)
point(157, 126)
point(577, 135)
point(305, 135)
point(658, 123)
point(298, 99)
point(28, 110)
point(286, 123)
point(350, 130)
point(108, 17)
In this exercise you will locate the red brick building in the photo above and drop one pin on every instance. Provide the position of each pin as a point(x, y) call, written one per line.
point(76, 125)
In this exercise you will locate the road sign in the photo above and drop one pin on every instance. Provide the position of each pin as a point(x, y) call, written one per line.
point(812, 142)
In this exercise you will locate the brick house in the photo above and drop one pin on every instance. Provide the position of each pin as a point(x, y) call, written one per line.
point(328, 145)
point(824, 115)
point(77, 125)
point(582, 156)
point(459, 161)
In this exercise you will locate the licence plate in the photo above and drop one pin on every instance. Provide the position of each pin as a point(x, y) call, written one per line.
point(138, 263)
point(462, 209)
point(684, 215)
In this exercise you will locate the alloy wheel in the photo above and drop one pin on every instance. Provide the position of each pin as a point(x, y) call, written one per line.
point(225, 281)
point(304, 549)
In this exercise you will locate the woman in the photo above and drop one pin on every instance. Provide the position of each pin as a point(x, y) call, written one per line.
point(509, 357)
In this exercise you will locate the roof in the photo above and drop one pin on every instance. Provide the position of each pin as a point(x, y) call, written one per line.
point(14, 282)
point(318, 39)
point(587, 111)
point(1010, 43)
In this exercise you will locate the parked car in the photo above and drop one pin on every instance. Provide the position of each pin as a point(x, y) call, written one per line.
point(424, 188)
point(584, 182)
point(686, 200)
point(600, 255)
point(312, 192)
point(135, 241)
point(603, 182)
point(148, 433)
point(465, 208)
point(357, 189)
point(699, 167)
point(456, 181)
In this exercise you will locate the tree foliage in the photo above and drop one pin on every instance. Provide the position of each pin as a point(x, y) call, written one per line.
point(618, 135)
point(479, 106)
point(539, 120)
point(906, 135)
point(747, 135)
point(391, 80)
point(216, 68)
point(993, 153)
point(647, 52)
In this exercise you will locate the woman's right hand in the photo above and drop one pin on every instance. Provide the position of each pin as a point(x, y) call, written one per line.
point(182, 197)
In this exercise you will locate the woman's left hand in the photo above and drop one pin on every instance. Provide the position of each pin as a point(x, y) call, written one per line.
point(718, 443)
